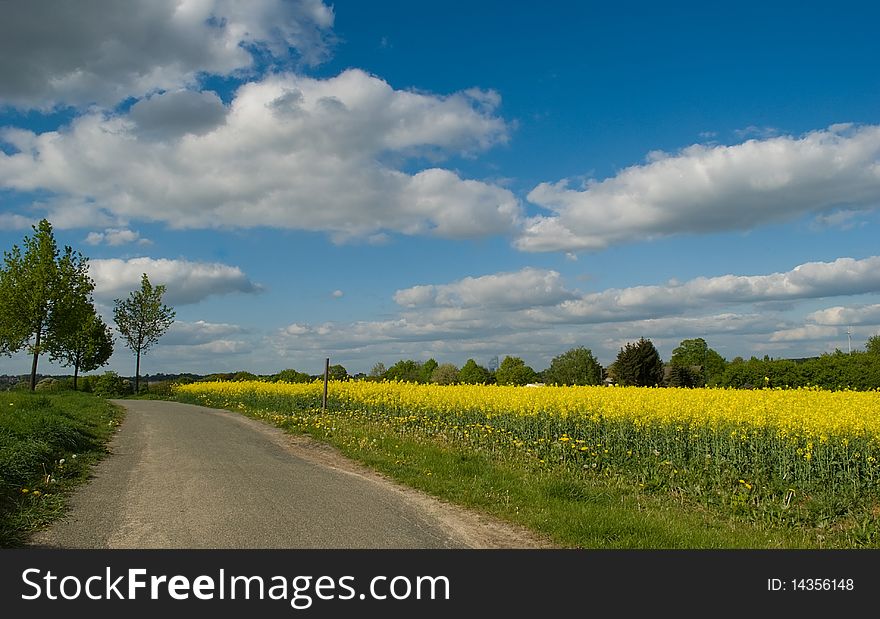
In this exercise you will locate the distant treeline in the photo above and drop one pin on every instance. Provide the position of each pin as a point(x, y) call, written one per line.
point(693, 364)
point(858, 371)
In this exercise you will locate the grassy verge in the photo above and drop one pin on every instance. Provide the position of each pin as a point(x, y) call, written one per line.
point(572, 508)
point(47, 444)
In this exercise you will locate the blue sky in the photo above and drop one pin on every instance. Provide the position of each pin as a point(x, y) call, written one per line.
point(387, 180)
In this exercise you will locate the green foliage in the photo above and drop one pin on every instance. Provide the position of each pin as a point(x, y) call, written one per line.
point(142, 319)
point(638, 364)
point(405, 370)
point(695, 353)
point(337, 372)
point(378, 370)
point(161, 388)
point(577, 366)
point(243, 376)
point(872, 346)
point(683, 376)
point(110, 385)
point(473, 374)
point(427, 371)
point(514, 371)
point(86, 343)
point(43, 295)
point(292, 376)
point(46, 444)
point(48, 384)
point(217, 377)
point(445, 374)
point(859, 371)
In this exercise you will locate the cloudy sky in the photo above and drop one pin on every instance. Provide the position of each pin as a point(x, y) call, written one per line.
point(371, 181)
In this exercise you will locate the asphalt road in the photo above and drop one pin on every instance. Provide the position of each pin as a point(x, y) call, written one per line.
point(182, 476)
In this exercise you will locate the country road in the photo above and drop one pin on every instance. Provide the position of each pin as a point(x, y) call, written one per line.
point(183, 476)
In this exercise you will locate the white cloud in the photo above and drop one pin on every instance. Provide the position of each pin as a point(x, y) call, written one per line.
point(807, 332)
point(291, 152)
point(12, 221)
point(844, 316)
point(105, 51)
point(532, 313)
point(186, 282)
point(712, 188)
point(337, 294)
point(525, 288)
point(812, 280)
point(115, 237)
point(182, 333)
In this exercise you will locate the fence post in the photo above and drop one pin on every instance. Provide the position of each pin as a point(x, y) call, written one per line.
point(326, 377)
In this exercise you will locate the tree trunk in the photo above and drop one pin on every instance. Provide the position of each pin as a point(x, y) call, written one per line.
point(36, 356)
point(75, 372)
point(137, 373)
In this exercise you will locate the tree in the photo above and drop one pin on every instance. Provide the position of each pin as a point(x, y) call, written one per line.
point(577, 366)
point(337, 372)
point(638, 364)
point(695, 352)
point(473, 374)
point(81, 338)
point(445, 374)
point(142, 319)
point(37, 290)
point(86, 345)
point(378, 370)
point(872, 346)
point(514, 371)
point(405, 370)
point(428, 368)
point(292, 376)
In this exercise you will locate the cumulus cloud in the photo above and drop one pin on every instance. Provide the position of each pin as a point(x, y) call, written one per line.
point(525, 288)
point(805, 333)
point(289, 152)
point(172, 114)
point(843, 316)
point(186, 282)
point(182, 333)
point(533, 309)
point(812, 280)
point(712, 188)
point(115, 237)
point(13, 221)
point(101, 51)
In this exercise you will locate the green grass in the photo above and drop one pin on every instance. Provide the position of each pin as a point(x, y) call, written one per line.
point(48, 442)
point(570, 508)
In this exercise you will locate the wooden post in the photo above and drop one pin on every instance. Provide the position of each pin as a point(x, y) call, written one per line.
point(326, 377)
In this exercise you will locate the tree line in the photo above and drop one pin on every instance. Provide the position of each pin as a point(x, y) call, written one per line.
point(47, 307)
point(692, 364)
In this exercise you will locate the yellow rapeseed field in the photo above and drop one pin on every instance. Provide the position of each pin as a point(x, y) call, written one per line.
point(777, 442)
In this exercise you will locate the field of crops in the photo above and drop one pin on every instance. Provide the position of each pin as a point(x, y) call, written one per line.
point(769, 452)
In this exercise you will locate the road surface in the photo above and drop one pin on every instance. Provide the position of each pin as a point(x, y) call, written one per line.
point(184, 476)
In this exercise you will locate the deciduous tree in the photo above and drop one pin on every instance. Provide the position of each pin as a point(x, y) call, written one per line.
point(577, 366)
point(514, 371)
point(142, 319)
point(695, 352)
point(473, 374)
point(41, 291)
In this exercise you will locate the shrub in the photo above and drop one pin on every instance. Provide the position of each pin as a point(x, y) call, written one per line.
point(445, 374)
point(48, 384)
point(111, 385)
